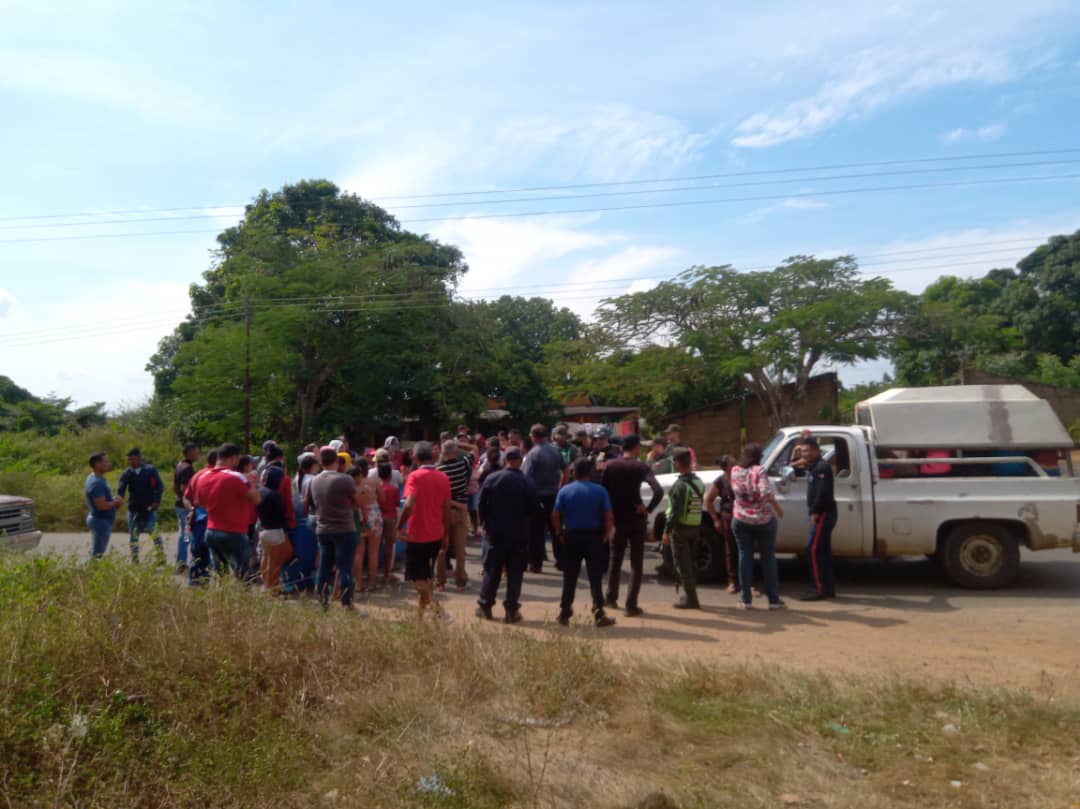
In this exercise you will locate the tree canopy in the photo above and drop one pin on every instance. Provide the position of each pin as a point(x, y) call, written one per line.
point(762, 331)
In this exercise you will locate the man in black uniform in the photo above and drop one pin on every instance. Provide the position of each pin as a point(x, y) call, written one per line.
point(821, 505)
point(508, 504)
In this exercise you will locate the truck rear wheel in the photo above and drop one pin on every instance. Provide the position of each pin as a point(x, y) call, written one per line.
point(981, 556)
point(710, 553)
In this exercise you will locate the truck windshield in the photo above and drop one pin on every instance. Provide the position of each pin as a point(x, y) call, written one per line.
point(774, 442)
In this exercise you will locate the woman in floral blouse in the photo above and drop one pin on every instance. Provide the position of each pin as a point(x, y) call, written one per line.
point(754, 522)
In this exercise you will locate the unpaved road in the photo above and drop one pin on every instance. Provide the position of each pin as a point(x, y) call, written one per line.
point(896, 617)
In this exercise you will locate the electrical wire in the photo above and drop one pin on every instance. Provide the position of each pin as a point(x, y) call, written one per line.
point(654, 205)
point(608, 184)
point(512, 201)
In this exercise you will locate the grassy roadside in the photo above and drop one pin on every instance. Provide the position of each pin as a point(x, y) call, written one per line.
point(52, 469)
point(117, 688)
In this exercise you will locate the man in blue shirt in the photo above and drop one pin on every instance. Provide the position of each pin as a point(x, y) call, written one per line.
point(508, 503)
point(101, 505)
point(584, 521)
point(144, 487)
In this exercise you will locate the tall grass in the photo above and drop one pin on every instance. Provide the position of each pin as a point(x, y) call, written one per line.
point(52, 469)
point(120, 689)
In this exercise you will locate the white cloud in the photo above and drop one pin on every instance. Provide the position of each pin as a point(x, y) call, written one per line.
point(869, 80)
point(983, 134)
point(505, 254)
point(7, 301)
point(107, 339)
point(611, 143)
point(595, 278)
point(791, 203)
point(128, 87)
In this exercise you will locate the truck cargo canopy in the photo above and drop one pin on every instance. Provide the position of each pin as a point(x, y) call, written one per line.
point(963, 417)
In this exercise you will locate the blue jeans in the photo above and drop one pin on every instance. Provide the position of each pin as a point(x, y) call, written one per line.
point(183, 535)
point(199, 569)
point(100, 531)
point(144, 522)
point(230, 551)
point(764, 536)
point(339, 550)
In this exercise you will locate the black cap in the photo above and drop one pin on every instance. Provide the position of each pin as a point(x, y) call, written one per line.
point(134, 452)
point(514, 453)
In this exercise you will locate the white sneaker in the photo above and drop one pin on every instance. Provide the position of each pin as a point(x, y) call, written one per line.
point(778, 605)
point(745, 605)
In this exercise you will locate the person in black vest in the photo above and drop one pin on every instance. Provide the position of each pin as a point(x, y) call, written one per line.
point(821, 506)
point(508, 505)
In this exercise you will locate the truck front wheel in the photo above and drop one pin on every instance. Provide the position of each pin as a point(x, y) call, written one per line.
point(981, 556)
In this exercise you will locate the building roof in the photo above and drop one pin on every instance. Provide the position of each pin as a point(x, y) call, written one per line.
point(598, 410)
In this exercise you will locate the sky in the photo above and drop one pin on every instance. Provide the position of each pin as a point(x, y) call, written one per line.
point(786, 126)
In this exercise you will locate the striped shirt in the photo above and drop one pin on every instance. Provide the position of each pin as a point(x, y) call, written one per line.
point(459, 471)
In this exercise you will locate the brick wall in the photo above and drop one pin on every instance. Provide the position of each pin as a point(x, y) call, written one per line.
point(718, 429)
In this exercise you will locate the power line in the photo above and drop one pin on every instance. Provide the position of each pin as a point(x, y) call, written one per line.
point(589, 291)
point(325, 301)
point(609, 184)
point(602, 194)
point(645, 206)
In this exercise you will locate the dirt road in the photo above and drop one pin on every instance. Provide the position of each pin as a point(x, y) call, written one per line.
point(891, 618)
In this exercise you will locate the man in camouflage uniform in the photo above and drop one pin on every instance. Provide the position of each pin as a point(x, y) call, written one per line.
point(685, 503)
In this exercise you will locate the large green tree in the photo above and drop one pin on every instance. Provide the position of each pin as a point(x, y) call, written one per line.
point(765, 331)
point(345, 310)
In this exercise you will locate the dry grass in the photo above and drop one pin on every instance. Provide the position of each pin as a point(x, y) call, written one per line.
point(120, 689)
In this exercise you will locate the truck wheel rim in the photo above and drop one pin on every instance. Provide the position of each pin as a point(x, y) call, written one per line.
point(981, 555)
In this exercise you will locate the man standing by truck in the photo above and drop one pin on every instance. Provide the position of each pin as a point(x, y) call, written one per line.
point(821, 506)
point(685, 503)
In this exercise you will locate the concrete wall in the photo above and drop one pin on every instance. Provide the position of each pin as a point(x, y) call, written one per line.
point(1065, 401)
point(718, 429)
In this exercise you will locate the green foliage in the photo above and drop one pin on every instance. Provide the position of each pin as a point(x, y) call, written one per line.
point(21, 410)
point(52, 469)
point(848, 397)
point(1021, 323)
point(763, 330)
point(355, 351)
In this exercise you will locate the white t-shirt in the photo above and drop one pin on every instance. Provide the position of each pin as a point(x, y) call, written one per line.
point(395, 476)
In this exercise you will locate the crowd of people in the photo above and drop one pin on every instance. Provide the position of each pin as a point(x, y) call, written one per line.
point(570, 498)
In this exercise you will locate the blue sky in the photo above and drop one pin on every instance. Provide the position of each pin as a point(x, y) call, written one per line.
point(113, 106)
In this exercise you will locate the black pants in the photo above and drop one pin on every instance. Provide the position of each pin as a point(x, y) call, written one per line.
point(539, 529)
point(629, 532)
point(503, 554)
point(588, 547)
point(819, 555)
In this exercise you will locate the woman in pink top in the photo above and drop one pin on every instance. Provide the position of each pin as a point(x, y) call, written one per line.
point(754, 521)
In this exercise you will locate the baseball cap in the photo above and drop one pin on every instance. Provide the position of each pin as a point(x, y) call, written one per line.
point(514, 453)
point(134, 452)
point(601, 432)
point(336, 444)
point(267, 444)
point(673, 428)
point(382, 455)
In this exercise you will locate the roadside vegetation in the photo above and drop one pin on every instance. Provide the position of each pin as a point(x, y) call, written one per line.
point(52, 467)
point(119, 689)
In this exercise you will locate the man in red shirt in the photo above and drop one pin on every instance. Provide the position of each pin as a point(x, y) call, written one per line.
point(228, 496)
point(428, 512)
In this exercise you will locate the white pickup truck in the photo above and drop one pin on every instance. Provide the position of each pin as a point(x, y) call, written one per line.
point(965, 474)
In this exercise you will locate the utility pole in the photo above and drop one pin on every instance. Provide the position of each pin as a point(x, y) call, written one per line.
point(247, 375)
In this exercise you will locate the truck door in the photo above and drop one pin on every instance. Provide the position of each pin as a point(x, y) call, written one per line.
point(849, 538)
